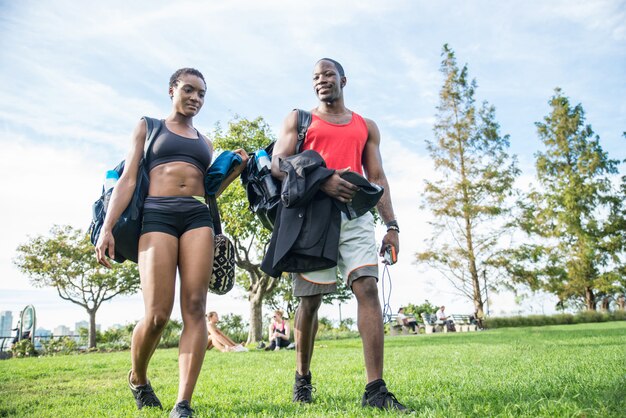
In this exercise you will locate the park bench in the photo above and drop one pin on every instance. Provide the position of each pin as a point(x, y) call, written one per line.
point(462, 323)
point(396, 326)
point(431, 324)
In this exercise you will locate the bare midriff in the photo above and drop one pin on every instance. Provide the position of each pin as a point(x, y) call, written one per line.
point(176, 179)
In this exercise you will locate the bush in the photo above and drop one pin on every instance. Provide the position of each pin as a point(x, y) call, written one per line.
point(558, 319)
point(24, 348)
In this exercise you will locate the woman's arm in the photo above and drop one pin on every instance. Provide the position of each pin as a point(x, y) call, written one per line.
point(287, 332)
point(122, 193)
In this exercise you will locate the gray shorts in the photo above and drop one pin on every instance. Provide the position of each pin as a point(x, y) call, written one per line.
point(357, 258)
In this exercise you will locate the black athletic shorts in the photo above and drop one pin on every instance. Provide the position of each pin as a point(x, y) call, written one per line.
point(174, 215)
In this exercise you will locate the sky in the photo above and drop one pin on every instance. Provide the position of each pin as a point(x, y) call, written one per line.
point(75, 77)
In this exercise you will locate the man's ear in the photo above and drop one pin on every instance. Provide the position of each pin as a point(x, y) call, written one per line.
point(343, 82)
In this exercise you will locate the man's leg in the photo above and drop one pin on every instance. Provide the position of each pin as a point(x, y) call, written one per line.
point(370, 323)
point(306, 325)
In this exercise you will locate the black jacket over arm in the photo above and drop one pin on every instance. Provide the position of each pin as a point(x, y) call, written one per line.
point(306, 232)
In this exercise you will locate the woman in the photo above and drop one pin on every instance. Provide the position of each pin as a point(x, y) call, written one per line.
point(278, 332)
point(176, 234)
point(218, 339)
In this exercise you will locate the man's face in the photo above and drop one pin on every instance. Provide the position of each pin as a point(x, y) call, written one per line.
point(327, 83)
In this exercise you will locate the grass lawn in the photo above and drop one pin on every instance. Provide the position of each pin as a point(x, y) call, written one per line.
point(555, 371)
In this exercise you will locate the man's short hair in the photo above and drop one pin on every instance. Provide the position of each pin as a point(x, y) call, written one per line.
point(336, 64)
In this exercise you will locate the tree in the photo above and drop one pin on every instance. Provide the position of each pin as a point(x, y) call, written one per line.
point(66, 261)
point(576, 216)
point(241, 225)
point(477, 175)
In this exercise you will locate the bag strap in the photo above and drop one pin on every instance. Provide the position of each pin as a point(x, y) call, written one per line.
point(153, 127)
point(304, 121)
point(215, 213)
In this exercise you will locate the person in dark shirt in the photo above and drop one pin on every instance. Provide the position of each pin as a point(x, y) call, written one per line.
point(177, 234)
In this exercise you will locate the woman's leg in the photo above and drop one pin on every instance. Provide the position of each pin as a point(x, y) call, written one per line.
point(158, 254)
point(221, 343)
point(195, 261)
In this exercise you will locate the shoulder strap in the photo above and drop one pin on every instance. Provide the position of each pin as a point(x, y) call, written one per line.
point(153, 127)
point(215, 213)
point(304, 121)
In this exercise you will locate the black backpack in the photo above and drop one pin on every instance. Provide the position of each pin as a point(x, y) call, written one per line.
point(262, 189)
point(128, 226)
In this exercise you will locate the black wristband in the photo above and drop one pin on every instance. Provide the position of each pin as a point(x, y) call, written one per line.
point(392, 226)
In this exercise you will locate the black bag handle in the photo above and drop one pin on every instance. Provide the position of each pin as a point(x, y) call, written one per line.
point(215, 214)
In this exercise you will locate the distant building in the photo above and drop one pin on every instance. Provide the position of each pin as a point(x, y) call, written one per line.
point(42, 332)
point(6, 323)
point(79, 325)
point(62, 330)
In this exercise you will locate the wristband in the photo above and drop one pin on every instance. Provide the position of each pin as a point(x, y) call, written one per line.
point(392, 226)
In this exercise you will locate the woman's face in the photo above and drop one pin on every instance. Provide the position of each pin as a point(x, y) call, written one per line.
point(188, 95)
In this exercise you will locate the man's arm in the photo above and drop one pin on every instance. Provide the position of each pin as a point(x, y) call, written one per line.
point(373, 166)
point(285, 145)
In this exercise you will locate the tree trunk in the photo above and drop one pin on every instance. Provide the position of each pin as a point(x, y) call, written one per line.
point(590, 299)
point(605, 303)
point(92, 328)
point(255, 333)
point(259, 288)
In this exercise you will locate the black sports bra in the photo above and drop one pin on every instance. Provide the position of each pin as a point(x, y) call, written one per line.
point(169, 147)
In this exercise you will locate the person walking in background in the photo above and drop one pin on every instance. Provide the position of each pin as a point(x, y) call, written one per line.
point(278, 332)
point(218, 339)
point(177, 233)
point(346, 142)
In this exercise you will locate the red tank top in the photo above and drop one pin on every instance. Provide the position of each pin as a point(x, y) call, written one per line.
point(340, 146)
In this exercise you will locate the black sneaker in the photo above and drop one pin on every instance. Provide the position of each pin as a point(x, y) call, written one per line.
point(144, 394)
point(383, 399)
point(182, 410)
point(303, 389)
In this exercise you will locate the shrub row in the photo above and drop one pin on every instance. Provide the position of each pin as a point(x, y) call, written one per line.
point(558, 319)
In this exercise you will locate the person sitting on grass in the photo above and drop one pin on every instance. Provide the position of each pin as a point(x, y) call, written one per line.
point(406, 321)
point(218, 339)
point(279, 332)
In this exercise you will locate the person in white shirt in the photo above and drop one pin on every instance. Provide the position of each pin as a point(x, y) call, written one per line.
point(406, 321)
point(442, 319)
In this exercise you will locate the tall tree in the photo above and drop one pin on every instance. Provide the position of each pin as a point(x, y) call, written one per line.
point(469, 200)
point(241, 225)
point(576, 216)
point(66, 261)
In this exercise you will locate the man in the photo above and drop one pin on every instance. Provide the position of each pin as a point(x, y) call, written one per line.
point(406, 321)
point(442, 319)
point(346, 142)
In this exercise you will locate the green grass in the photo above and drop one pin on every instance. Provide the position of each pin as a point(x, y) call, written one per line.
point(553, 371)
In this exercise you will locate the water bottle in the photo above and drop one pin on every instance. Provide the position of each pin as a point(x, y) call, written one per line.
point(263, 162)
point(109, 182)
point(110, 179)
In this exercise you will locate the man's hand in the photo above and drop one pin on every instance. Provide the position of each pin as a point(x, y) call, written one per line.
point(336, 187)
point(390, 238)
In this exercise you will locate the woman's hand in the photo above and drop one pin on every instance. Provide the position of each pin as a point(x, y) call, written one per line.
point(244, 159)
point(105, 244)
